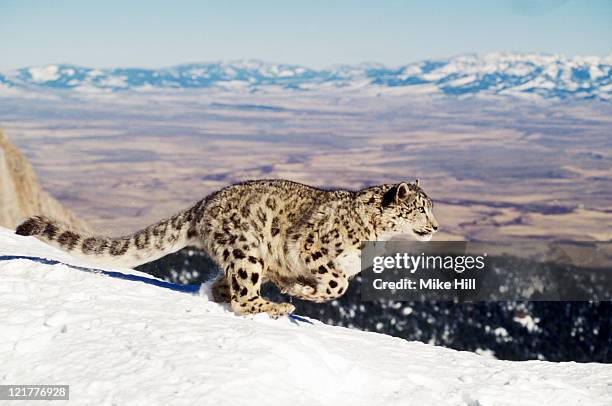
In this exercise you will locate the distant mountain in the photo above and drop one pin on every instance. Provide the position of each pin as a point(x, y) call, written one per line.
point(525, 75)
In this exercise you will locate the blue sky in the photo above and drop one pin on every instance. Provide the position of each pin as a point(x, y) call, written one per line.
point(313, 33)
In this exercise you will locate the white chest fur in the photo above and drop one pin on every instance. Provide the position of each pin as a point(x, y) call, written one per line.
point(349, 262)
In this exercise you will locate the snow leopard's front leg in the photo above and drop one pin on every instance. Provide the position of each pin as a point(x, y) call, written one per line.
point(245, 274)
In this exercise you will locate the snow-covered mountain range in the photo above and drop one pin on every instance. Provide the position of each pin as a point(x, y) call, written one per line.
point(527, 75)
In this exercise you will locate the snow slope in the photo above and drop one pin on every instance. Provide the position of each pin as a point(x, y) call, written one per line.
point(119, 342)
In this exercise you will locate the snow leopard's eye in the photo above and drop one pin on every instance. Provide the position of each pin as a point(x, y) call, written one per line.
point(422, 210)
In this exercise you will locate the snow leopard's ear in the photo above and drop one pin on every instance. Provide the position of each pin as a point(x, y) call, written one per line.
point(396, 194)
point(416, 182)
point(402, 192)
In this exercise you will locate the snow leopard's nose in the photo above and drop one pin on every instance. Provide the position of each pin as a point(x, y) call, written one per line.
point(435, 227)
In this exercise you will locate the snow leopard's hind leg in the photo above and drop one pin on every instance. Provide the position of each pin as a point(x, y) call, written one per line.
point(245, 274)
point(221, 290)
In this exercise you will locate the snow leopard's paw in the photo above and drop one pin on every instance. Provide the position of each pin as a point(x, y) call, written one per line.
point(260, 305)
point(277, 310)
point(299, 290)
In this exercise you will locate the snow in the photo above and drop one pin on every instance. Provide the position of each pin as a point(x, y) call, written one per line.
point(500, 332)
point(44, 74)
point(463, 81)
point(119, 342)
point(528, 322)
point(117, 81)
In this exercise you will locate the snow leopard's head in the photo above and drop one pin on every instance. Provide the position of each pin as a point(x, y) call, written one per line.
point(406, 209)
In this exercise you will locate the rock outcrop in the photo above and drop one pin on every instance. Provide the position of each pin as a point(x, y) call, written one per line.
point(22, 196)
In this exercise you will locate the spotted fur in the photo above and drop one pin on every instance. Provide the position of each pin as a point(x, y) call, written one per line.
point(299, 237)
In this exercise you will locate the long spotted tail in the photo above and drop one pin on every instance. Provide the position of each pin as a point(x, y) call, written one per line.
point(144, 246)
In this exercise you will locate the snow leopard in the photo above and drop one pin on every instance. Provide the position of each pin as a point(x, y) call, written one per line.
point(305, 240)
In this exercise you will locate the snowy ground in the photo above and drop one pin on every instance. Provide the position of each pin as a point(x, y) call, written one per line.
point(118, 342)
